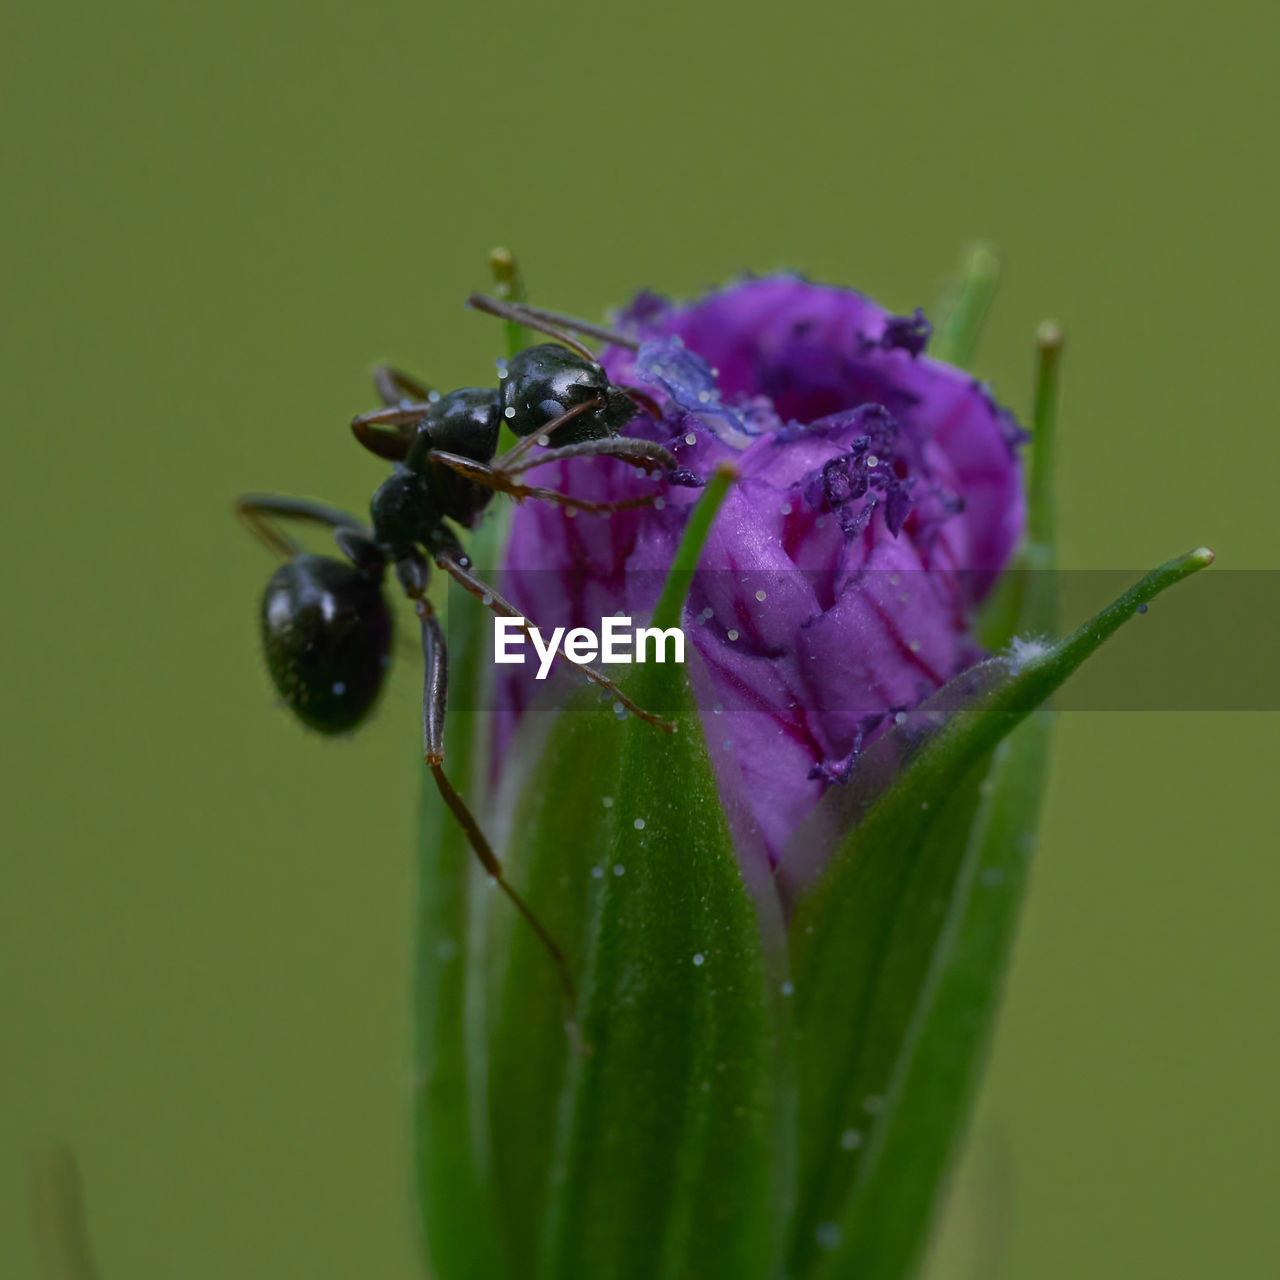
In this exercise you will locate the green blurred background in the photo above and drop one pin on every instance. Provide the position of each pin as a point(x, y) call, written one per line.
point(215, 218)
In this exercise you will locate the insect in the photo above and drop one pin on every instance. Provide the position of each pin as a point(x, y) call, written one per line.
point(326, 625)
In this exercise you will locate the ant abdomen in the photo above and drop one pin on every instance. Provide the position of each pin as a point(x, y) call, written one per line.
point(326, 634)
point(545, 382)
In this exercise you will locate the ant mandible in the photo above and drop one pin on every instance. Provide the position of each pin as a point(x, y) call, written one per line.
point(326, 626)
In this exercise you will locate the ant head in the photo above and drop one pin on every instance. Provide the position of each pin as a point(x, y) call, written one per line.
point(464, 422)
point(326, 633)
point(543, 383)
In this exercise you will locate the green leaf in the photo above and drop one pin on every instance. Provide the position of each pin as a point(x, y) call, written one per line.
point(865, 938)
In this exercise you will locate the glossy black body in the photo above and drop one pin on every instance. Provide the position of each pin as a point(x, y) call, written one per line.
point(326, 634)
point(545, 381)
point(465, 422)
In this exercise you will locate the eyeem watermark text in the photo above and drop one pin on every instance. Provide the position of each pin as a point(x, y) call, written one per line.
point(616, 642)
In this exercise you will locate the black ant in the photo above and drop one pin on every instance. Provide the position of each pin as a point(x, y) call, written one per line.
point(326, 626)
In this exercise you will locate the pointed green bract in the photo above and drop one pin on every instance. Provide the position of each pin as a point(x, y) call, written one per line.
point(870, 918)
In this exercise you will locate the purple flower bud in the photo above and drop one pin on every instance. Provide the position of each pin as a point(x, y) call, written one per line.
point(880, 495)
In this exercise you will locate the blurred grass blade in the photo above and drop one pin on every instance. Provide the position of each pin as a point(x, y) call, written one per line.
point(58, 1218)
point(864, 936)
point(508, 286)
point(964, 307)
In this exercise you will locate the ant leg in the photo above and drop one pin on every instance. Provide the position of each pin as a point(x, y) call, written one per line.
point(492, 478)
point(543, 437)
point(393, 446)
point(639, 453)
point(530, 320)
point(434, 695)
point(394, 386)
point(255, 510)
point(550, 322)
point(458, 568)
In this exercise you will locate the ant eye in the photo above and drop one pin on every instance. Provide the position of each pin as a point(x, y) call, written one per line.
point(326, 634)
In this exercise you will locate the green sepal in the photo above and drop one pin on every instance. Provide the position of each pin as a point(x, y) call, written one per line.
point(874, 946)
point(667, 1160)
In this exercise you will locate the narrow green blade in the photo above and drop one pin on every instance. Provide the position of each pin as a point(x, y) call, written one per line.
point(865, 935)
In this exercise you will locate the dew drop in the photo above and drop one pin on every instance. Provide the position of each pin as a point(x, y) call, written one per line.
point(607, 801)
point(509, 412)
point(339, 688)
point(699, 959)
point(788, 989)
point(733, 635)
point(873, 1104)
point(704, 396)
point(597, 873)
point(691, 438)
point(638, 824)
point(851, 1140)
point(544, 441)
point(717, 710)
point(913, 645)
point(785, 508)
point(659, 503)
point(1142, 608)
point(760, 595)
point(433, 397)
point(872, 460)
point(487, 599)
point(900, 718)
point(827, 1235)
point(619, 869)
